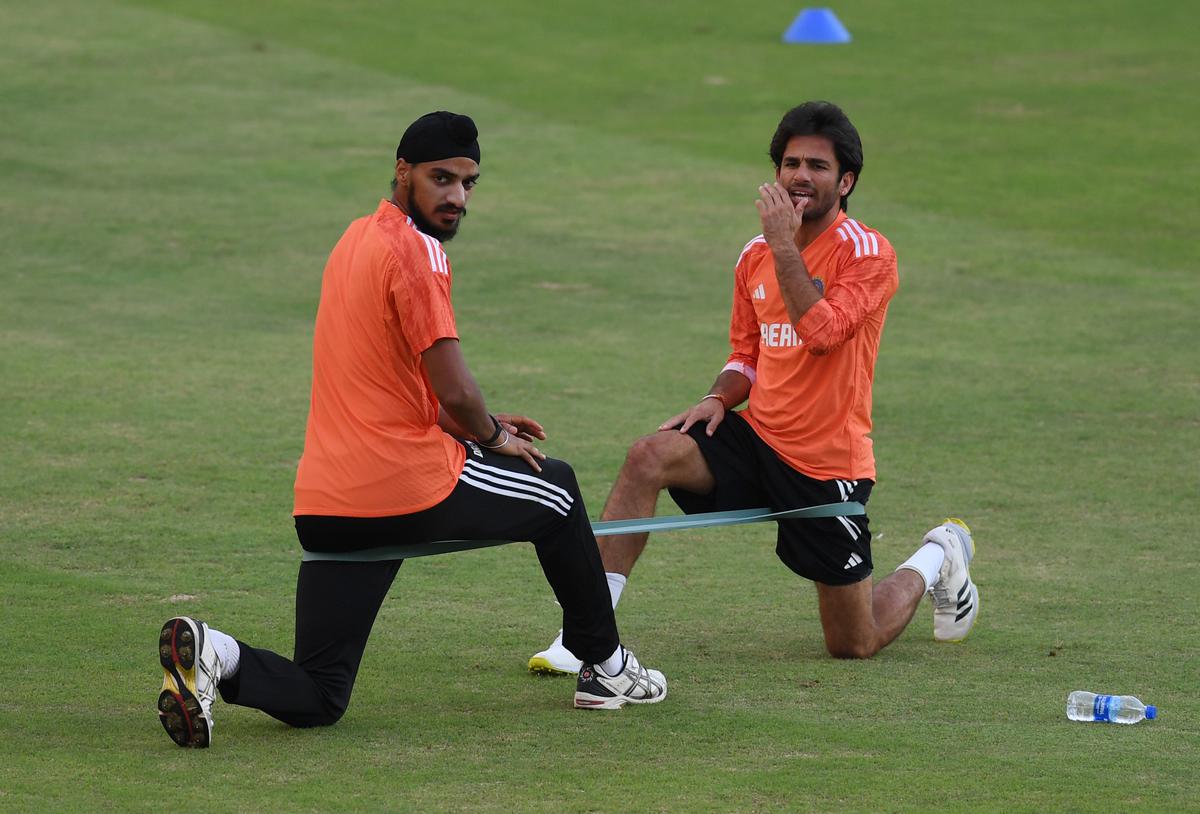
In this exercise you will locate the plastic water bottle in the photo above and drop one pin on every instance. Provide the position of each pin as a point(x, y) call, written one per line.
point(1117, 709)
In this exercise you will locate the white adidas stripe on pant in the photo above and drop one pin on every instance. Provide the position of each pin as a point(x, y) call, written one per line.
point(516, 485)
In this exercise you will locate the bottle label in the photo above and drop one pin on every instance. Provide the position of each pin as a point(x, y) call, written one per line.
point(1101, 707)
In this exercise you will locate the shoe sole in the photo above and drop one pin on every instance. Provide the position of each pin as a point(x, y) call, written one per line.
point(540, 665)
point(587, 701)
point(179, 710)
point(584, 700)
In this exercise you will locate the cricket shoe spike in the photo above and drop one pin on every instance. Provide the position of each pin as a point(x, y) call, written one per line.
point(634, 684)
point(191, 672)
point(955, 596)
point(555, 660)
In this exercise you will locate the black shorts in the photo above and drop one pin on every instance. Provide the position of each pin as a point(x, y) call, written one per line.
point(749, 475)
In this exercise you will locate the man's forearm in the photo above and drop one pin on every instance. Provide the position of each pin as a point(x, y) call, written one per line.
point(457, 392)
point(467, 414)
point(732, 387)
point(449, 425)
point(796, 287)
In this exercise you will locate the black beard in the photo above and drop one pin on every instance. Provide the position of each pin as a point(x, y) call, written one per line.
point(422, 223)
point(811, 214)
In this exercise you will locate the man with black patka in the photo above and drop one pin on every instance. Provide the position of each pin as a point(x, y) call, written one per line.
point(400, 448)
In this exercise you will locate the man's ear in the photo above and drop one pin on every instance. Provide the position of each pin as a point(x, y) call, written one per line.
point(846, 184)
point(403, 170)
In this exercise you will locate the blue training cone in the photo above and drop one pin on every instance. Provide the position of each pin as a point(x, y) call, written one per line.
point(816, 25)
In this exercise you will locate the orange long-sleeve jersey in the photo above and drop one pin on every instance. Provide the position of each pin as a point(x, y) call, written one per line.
point(810, 394)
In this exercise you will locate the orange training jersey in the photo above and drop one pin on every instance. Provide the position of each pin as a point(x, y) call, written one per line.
point(373, 447)
point(810, 395)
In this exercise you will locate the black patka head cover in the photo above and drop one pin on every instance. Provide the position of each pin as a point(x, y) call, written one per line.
point(439, 135)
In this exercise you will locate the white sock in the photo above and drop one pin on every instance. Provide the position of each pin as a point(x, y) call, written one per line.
point(611, 666)
point(228, 652)
point(927, 562)
point(616, 584)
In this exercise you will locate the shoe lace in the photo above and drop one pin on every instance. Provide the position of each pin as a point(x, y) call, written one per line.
point(643, 680)
point(640, 677)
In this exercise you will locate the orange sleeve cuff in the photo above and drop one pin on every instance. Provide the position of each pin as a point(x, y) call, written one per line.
point(815, 322)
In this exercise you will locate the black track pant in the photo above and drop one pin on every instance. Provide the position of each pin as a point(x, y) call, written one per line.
point(496, 498)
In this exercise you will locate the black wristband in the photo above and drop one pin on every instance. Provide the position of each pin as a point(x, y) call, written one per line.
point(492, 439)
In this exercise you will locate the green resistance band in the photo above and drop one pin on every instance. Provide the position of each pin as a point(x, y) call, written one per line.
point(602, 529)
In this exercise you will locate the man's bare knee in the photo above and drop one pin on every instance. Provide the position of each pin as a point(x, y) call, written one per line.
point(660, 461)
point(852, 647)
point(647, 461)
point(851, 650)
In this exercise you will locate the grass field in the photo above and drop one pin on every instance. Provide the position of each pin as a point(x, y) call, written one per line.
point(174, 174)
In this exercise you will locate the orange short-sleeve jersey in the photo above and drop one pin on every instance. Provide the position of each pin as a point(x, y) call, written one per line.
point(372, 446)
point(810, 397)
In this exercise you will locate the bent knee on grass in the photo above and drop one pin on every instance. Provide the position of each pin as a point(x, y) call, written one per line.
point(848, 620)
point(851, 649)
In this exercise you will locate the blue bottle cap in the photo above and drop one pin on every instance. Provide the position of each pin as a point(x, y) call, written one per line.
point(1151, 711)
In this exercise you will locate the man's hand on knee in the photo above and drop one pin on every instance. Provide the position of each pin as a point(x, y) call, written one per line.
point(710, 411)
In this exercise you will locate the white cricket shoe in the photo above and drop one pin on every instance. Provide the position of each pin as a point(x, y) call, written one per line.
point(191, 674)
point(955, 596)
point(555, 660)
point(634, 684)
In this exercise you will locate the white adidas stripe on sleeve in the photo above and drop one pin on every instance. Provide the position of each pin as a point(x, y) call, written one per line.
point(851, 235)
point(437, 256)
point(870, 241)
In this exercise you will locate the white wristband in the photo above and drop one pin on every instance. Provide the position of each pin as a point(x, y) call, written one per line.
point(718, 397)
point(503, 440)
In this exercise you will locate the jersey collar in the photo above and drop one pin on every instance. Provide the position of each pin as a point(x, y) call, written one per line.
point(831, 229)
point(389, 210)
